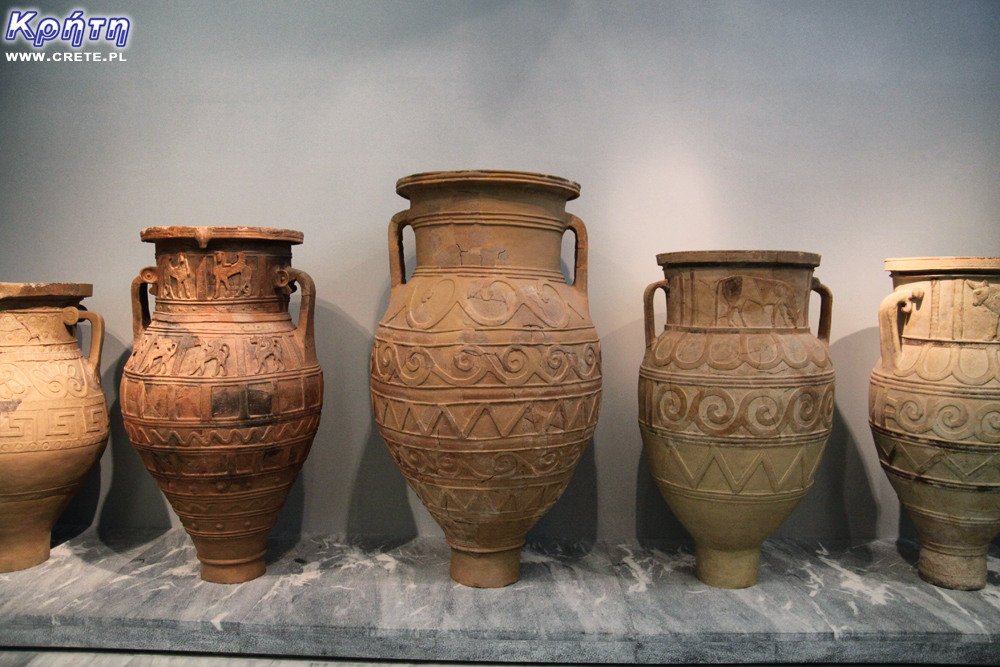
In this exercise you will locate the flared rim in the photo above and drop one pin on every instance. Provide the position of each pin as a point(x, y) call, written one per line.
point(566, 188)
point(698, 257)
point(941, 264)
point(203, 235)
point(45, 291)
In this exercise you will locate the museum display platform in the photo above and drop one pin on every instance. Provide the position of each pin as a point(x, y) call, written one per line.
point(599, 603)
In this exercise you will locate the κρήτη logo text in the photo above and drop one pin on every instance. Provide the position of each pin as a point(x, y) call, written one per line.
point(36, 30)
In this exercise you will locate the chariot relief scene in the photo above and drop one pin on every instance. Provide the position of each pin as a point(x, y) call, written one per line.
point(737, 301)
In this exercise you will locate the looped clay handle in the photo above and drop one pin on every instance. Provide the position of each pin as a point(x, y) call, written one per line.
point(647, 308)
point(397, 266)
point(900, 301)
point(580, 264)
point(140, 301)
point(73, 315)
point(305, 332)
point(825, 309)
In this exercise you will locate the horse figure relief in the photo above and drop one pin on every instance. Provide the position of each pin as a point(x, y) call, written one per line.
point(741, 295)
point(225, 271)
point(206, 354)
point(266, 354)
point(158, 358)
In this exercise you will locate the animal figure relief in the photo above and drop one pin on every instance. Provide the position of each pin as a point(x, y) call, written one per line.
point(765, 294)
point(267, 354)
point(177, 279)
point(988, 296)
point(157, 361)
point(225, 272)
point(205, 354)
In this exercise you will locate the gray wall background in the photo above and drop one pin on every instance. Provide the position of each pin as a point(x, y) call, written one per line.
point(858, 130)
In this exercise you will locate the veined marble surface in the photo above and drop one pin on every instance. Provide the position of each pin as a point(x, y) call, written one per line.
point(606, 603)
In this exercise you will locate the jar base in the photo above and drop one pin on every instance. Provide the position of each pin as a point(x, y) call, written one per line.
point(727, 569)
point(960, 573)
point(233, 572)
point(20, 552)
point(494, 569)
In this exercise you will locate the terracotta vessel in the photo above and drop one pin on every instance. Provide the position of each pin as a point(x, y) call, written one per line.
point(735, 399)
point(486, 369)
point(53, 418)
point(934, 407)
point(222, 394)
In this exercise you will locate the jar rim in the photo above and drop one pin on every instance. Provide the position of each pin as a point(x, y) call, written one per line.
point(696, 257)
point(45, 291)
point(205, 234)
point(943, 264)
point(566, 188)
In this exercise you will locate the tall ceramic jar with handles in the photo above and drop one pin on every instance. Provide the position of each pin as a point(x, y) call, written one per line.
point(222, 394)
point(53, 417)
point(735, 399)
point(934, 408)
point(486, 368)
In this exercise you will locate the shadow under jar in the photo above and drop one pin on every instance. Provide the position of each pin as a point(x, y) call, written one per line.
point(53, 416)
point(934, 409)
point(736, 399)
point(486, 368)
point(222, 394)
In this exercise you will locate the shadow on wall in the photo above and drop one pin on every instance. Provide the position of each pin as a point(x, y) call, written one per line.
point(134, 500)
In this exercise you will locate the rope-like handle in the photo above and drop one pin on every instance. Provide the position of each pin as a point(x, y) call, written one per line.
point(890, 335)
point(647, 308)
point(580, 261)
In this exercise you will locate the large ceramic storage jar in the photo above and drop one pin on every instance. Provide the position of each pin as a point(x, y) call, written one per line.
point(486, 368)
point(222, 394)
point(735, 399)
point(53, 418)
point(935, 409)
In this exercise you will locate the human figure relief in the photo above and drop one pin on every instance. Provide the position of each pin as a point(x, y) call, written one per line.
point(216, 352)
point(225, 272)
point(158, 359)
point(738, 292)
point(177, 279)
point(984, 294)
point(267, 354)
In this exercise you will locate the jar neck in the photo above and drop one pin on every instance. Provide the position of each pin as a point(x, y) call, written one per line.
point(35, 323)
point(489, 230)
point(737, 297)
point(231, 275)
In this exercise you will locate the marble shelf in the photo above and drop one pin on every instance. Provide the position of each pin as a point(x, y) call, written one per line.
point(606, 603)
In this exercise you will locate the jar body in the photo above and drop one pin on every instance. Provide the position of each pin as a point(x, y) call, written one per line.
point(53, 416)
point(222, 394)
point(934, 409)
point(736, 400)
point(485, 372)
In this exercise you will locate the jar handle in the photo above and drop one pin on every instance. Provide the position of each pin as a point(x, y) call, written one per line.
point(73, 315)
point(140, 301)
point(825, 309)
point(397, 266)
point(888, 322)
point(647, 308)
point(580, 263)
point(305, 332)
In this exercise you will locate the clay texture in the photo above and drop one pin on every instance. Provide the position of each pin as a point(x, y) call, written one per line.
point(486, 368)
point(53, 417)
point(736, 399)
point(934, 408)
point(222, 394)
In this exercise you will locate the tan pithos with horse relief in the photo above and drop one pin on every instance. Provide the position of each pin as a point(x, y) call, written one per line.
point(53, 417)
point(735, 399)
point(934, 409)
point(222, 394)
point(486, 368)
